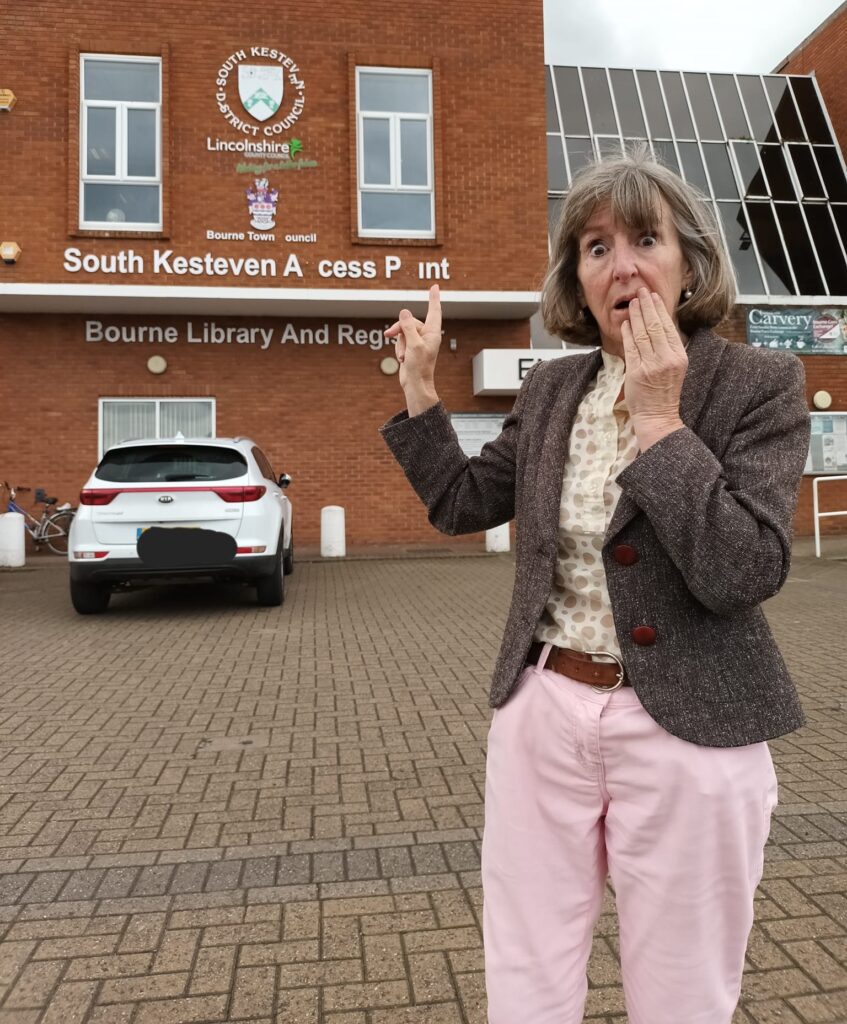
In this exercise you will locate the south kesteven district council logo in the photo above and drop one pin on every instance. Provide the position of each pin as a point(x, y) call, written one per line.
point(260, 88)
point(261, 204)
point(260, 110)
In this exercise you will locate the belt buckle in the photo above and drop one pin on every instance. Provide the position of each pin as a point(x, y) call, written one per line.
point(621, 672)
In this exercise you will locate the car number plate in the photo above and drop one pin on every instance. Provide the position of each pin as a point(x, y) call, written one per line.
point(169, 526)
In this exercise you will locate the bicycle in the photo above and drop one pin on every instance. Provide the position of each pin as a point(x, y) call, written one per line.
point(50, 528)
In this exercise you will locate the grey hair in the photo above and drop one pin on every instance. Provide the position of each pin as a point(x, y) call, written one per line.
point(634, 186)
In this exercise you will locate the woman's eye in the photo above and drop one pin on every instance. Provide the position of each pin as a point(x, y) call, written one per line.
point(596, 248)
point(648, 241)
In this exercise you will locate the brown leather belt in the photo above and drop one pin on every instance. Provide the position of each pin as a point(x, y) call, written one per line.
point(579, 666)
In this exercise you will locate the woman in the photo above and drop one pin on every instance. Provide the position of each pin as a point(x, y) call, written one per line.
point(653, 482)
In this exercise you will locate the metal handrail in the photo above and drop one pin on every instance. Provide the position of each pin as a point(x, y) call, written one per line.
point(822, 515)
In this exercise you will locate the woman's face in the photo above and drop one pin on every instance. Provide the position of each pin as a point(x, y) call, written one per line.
point(615, 261)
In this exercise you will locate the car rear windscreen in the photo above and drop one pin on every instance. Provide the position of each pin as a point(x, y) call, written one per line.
point(164, 464)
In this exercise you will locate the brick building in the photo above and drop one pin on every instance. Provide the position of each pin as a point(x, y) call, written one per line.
point(822, 54)
point(251, 205)
point(216, 227)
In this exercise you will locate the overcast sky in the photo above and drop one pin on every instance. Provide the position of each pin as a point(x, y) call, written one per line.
point(700, 35)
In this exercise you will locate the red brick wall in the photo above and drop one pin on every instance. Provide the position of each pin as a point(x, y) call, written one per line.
point(823, 56)
point(316, 410)
point(490, 153)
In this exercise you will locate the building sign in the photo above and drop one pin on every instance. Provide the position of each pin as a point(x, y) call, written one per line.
point(271, 95)
point(211, 333)
point(268, 155)
point(130, 263)
point(828, 444)
point(808, 331)
point(500, 371)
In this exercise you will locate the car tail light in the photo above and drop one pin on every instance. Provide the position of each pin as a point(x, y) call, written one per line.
point(257, 550)
point(239, 493)
point(90, 554)
point(105, 496)
point(98, 496)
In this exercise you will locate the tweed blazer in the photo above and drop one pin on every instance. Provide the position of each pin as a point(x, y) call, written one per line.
point(708, 510)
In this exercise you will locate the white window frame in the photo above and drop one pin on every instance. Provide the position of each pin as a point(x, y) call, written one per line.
point(394, 118)
point(147, 398)
point(120, 177)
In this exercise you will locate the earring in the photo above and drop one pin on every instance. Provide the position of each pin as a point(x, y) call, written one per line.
point(687, 293)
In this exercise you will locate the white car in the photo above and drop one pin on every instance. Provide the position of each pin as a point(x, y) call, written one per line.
point(156, 511)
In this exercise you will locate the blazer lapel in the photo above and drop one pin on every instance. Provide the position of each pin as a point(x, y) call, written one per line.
point(574, 376)
point(704, 353)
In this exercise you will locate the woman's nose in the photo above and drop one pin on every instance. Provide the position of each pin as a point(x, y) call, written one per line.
point(625, 266)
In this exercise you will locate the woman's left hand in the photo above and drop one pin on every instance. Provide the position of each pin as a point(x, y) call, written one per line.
point(656, 363)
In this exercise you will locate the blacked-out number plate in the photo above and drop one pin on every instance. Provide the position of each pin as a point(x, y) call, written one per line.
point(184, 547)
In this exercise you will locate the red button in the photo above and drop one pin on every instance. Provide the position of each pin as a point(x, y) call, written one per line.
point(644, 635)
point(623, 554)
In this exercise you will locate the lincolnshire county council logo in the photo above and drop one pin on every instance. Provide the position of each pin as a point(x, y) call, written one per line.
point(260, 88)
point(261, 204)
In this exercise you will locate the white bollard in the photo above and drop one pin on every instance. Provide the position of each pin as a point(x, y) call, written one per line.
point(333, 543)
point(498, 538)
point(12, 550)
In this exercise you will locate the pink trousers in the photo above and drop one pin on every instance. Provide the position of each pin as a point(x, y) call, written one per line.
point(580, 784)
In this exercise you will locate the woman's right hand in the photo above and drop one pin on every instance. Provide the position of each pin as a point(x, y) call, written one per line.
point(417, 345)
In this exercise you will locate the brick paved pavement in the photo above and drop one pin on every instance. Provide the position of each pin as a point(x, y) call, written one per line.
point(215, 812)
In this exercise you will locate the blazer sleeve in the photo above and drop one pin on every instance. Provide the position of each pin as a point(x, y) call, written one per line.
point(461, 494)
point(727, 525)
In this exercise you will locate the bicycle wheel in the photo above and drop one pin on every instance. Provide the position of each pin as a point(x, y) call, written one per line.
point(56, 530)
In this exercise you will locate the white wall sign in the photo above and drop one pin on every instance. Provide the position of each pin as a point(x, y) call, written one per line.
point(500, 371)
point(474, 429)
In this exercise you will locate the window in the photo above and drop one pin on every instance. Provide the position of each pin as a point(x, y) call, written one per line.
point(394, 147)
point(149, 464)
point(120, 143)
point(556, 173)
point(264, 464)
point(131, 419)
point(600, 108)
point(626, 100)
point(758, 147)
point(571, 101)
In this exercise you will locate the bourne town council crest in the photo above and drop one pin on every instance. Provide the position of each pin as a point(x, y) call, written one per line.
point(261, 202)
point(271, 91)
